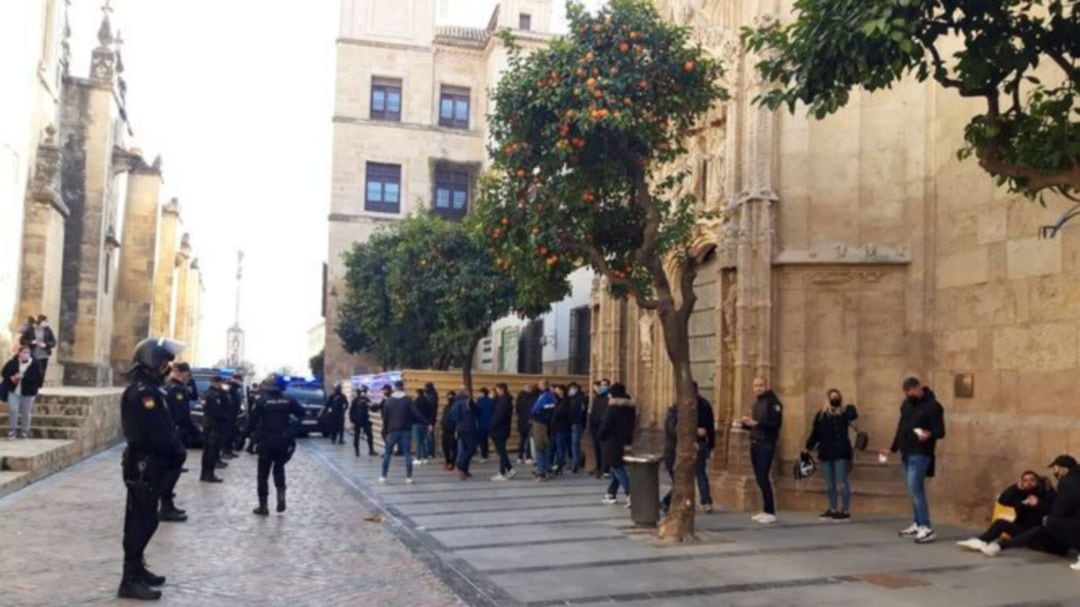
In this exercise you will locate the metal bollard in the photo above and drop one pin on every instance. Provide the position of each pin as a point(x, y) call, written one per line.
point(644, 471)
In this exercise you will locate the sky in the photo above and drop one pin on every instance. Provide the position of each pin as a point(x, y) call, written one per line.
point(237, 97)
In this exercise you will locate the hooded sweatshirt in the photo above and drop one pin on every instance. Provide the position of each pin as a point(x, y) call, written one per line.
point(398, 413)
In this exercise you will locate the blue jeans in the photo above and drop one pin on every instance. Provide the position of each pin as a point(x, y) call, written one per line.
point(836, 477)
point(915, 467)
point(618, 477)
point(543, 461)
point(562, 447)
point(761, 456)
point(393, 439)
point(576, 432)
point(420, 439)
point(431, 443)
point(465, 451)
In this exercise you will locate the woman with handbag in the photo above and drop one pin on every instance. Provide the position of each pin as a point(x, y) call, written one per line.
point(830, 435)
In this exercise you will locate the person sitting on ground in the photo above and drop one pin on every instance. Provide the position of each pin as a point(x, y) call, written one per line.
point(1063, 521)
point(1030, 498)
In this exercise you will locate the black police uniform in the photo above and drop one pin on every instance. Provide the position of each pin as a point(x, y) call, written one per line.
point(335, 409)
point(236, 402)
point(273, 430)
point(360, 416)
point(215, 419)
point(152, 459)
point(176, 398)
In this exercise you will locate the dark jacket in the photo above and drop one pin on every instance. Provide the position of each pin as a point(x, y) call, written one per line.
point(274, 417)
point(522, 407)
point(617, 431)
point(430, 407)
point(148, 428)
point(597, 411)
point(1067, 503)
point(502, 416)
point(579, 409)
point(705, 420)
point(176, 397)
point(449, 426)
point(485, 408)
point(398, 413)
point(926, 413)
point(420, 411)
point(464, 416)
point(1029, 516)
point(215, 410)
point(560, 418)
point(29, 384)
point(336, 406)
point(831, 434)
point(768, 412)
point(360, 411)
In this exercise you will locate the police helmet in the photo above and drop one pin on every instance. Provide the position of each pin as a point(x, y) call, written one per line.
point(805, 466)
point(155, 352)
point(270, 382)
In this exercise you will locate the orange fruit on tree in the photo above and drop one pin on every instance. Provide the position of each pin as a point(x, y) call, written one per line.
point(624, 47)
point(689, 66)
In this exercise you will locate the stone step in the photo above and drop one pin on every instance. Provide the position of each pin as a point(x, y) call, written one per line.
point(42, 457)
point(47, 420)
point(78, 409)
point(46, 432)
point(11, 481)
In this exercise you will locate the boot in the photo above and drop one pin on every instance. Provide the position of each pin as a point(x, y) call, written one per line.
point(133, 586)
point(262, 510)
point(220, 465)
point(281, 500)
point(151, 578)
point(210, 478)
point(170, 514)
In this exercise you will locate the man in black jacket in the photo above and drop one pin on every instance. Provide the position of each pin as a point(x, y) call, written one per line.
point(522, 407)
point(706, 442)
point(420, 424)
point(431, 412)
point(235, 390)
point(579, 419)
point(215, 417)
point(176, 397)
point(397, 412)
point(501, 418)
point(335, 415)
point(921, 426)
point(1063, 520)
point(597, 411)
point(764, 422)
point(22, 379)
point(1030, 498)
point(360, 416)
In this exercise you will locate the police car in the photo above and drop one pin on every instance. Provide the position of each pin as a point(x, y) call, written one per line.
point(201, 378)
point(311, 396)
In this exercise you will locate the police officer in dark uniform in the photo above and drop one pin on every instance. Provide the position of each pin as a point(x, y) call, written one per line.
point(335, 414)
point(253, 389)
point(176, 397)
point(273, 429)
point(235, 391)
point(360, 416)
point(153, 450)
point(215, 417)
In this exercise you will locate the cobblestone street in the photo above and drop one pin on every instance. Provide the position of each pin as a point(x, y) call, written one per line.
point(346, 540)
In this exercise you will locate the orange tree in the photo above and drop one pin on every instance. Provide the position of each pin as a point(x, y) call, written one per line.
point(584, 134)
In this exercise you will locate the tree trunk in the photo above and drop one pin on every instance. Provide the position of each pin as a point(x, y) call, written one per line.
point(466, 367)
point(679, 524)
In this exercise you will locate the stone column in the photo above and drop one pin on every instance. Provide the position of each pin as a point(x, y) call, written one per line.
point(165, 272)
point(183, 298)
point(43, 242)
point(135, 280)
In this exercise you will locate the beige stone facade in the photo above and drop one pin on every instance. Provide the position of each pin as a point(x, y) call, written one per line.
point(853, 252)
point(391, 49)
point(88, 223)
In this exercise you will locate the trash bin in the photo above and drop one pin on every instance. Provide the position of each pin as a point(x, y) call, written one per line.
point(644, 473)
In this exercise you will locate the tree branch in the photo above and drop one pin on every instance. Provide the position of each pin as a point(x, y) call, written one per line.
point(1033, 179)
point(596, 259)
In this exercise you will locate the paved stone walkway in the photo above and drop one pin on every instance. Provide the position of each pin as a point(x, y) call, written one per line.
point(441, 542)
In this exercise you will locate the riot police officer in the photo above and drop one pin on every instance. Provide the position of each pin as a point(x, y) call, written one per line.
point(335, 414)
point(176, 398)
point(360, 415)
point(215, 419)
point(273, 430)
point(153, 450)
point(235, 391)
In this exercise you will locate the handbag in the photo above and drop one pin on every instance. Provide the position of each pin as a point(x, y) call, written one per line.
point(862, 439)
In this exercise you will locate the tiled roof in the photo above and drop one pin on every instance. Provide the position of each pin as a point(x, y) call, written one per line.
point(462, 36)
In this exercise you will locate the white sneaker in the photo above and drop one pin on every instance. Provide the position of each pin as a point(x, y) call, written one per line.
point(511, 473)
point(382, 480)
point(1075, 566)
point(482, 460)
point(627, 503)
point(909, 531)
point(609, 500)
point(529, 462)
point(767, 519)
point(707, 508)
point(409, 481)
point(757, 517)
point(925, 535)
point(498, 477)
point(991, 549)
point(417, 462)
point(974, 544)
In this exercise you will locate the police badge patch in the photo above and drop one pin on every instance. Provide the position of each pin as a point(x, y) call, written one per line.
point(148, 402)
